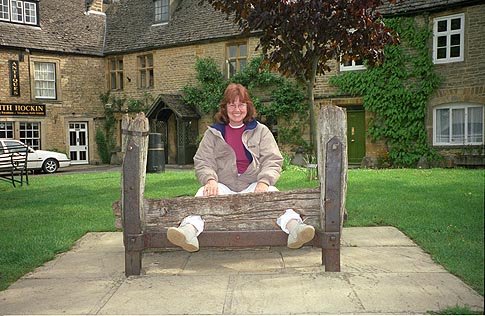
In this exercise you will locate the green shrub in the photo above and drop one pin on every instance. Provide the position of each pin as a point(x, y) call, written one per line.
point(102, 145)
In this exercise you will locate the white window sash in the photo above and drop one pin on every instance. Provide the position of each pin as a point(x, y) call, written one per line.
point(351, 67)
point(4, 10)
point(448, 34)
point(30, 13)
point(17, 9)
point(457, 125)
point(45, 80)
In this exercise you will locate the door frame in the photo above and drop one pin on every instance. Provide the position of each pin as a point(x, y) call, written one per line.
point(86, 146)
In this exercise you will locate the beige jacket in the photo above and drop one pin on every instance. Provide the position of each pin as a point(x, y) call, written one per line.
point(215, 159)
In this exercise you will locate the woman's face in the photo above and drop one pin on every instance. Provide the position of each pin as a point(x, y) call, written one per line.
point(236, 111)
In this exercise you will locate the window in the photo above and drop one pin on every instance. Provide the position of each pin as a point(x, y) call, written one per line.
point(30, 13)
point(145, 70)
point(352, 65)
point(115, 73)
point(448, 39)
point(458, 124)
point(4, 10)
point(45, 80)
point(162, 11)
point(236, 58)
point(17, 11)
point(30, 134)
point(6, 130)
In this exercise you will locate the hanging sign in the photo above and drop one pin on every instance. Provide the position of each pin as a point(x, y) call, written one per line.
point(14, 78)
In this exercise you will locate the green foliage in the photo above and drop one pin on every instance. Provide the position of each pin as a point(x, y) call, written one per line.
point(286, 161)
point(113, 105)
point(397, 93)
point(208, 94)
point(457, 310)
point(256, 74)
point(288, 103)
point(302, 38)
point(103, 149)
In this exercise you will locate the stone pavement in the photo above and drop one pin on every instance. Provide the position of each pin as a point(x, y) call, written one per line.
point(383, 272)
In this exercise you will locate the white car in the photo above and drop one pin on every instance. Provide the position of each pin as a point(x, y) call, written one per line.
point(48, 161)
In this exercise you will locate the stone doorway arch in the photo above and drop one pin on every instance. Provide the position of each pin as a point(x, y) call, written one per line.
point(178, 124)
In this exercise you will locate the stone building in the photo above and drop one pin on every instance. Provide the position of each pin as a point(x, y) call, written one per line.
point(52, 71)
point(455, 113)
point(58, 57)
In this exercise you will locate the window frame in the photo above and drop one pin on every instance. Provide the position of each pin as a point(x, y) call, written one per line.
point(448, 34)
point(146, 78)
point(161, 11)
point(29, 12)
point(455, 107)
point(55, 81)
point(352, 67)
point(5, 10)
point(115, 75)
point(237, 58)
point(32, 134)
point(7, 130)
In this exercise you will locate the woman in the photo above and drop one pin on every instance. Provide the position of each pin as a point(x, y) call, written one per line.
point(238, 155)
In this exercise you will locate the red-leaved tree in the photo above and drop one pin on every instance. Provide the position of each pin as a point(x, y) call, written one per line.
point(300, 38)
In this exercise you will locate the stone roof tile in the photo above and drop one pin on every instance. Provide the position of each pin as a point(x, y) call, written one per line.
point(64, 27)
point(410, 7)
point(130, 26)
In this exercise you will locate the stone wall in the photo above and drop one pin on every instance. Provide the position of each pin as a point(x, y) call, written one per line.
point(462, 82)
point(80, 81)
point(174, 68)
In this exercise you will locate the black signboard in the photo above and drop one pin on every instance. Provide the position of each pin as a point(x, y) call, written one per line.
point(13, 66)
point(22, 109)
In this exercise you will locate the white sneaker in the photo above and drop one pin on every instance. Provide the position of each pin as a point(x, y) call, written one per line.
point(299, 235)
point(183, 236)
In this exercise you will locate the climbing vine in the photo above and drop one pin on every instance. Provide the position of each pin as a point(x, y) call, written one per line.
point(287, 101)
point(397, 93)
point(114, 105)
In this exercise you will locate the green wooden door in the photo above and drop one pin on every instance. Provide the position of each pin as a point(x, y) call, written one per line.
point(355, 136)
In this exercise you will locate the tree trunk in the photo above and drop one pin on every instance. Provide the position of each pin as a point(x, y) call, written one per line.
point(311, 101)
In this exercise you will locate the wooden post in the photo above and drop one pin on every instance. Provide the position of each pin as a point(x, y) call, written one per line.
point(332, 172)
point(132, 190)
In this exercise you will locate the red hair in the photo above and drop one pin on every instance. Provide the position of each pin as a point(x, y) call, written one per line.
point(234, 90)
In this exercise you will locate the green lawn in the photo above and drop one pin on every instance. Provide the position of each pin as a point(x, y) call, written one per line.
point(441, 210)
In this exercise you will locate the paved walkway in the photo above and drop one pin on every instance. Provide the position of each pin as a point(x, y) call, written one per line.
point(383, 272)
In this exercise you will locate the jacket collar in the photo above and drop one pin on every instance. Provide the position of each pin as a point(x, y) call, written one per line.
point(221, 126)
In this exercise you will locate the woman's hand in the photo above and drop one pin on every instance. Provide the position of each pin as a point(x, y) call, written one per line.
point(211, 188)
point(261, 187)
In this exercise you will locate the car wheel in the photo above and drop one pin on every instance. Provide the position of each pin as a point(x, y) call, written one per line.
point(50, 165)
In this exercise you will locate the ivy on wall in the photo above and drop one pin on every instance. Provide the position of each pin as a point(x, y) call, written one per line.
point(114, 105)
point(397, 93)
point(286, 102)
